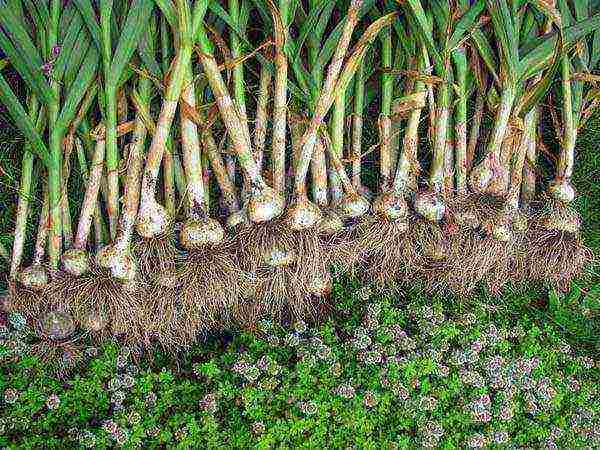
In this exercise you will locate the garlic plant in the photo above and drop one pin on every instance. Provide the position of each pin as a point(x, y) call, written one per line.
point(229, 152)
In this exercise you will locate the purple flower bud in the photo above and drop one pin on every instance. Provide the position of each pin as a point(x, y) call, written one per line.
point(56, 50)
point(47, 68)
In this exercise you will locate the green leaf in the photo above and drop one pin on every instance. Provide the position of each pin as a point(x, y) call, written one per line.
point(36, 11)
point(440, 12)
point(328, 48)
point(166, 48)
point(549, 11)
point(536, 93)
point(529, 29)
point(324, 18)
point(223, 15)
point(359, 50)
point(89, 17)
point(147, 50)
point(168, 11)
point(308, 28)
point(137, 19)
point(72, 34)
point(487, 53)
point(198, 14)
point(79, 87)
point(32, 77)
point(244, 16)
point(423, 28)
point(566, 14)
point(465, 23)
point(582, 9)
point(504, 32)
point(24, 53)
point(595, 53)
point(76, 58)
point(263, 10)
point(23, 122)
point(539, 55)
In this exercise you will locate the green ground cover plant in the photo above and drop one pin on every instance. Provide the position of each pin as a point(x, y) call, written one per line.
point(393, 370)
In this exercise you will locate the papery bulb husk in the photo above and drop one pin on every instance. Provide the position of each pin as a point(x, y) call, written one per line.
point(430, 206)
point(34, 277)
point(196, 234)
point(263, 243)
point(153, 220)
point(75, 262)
point(562, 190)
point(340, 243)
point(557, 253)
point(390, 206)
point(491, 253)
point(436, 251)
point(353, 206)
point(119, 261)
point(499, 226)
point(467, 219)
point(123, 266)
point(502, 232)
point(331, 223)
point(471, 211)
point(127, 272)
point(500, 184)
point(302, 214)
point(279, 290)
point(238, 219)
point(480, 177)
point(280, 258)
point(156, 256)
point(57, 325)
point(494, 259)
point(265, 205)
point(105, 255)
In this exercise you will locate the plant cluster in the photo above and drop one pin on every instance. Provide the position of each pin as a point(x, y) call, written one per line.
point(387, 373)
point(224, 150)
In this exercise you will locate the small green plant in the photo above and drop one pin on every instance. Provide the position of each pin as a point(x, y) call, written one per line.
point(393, 371)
